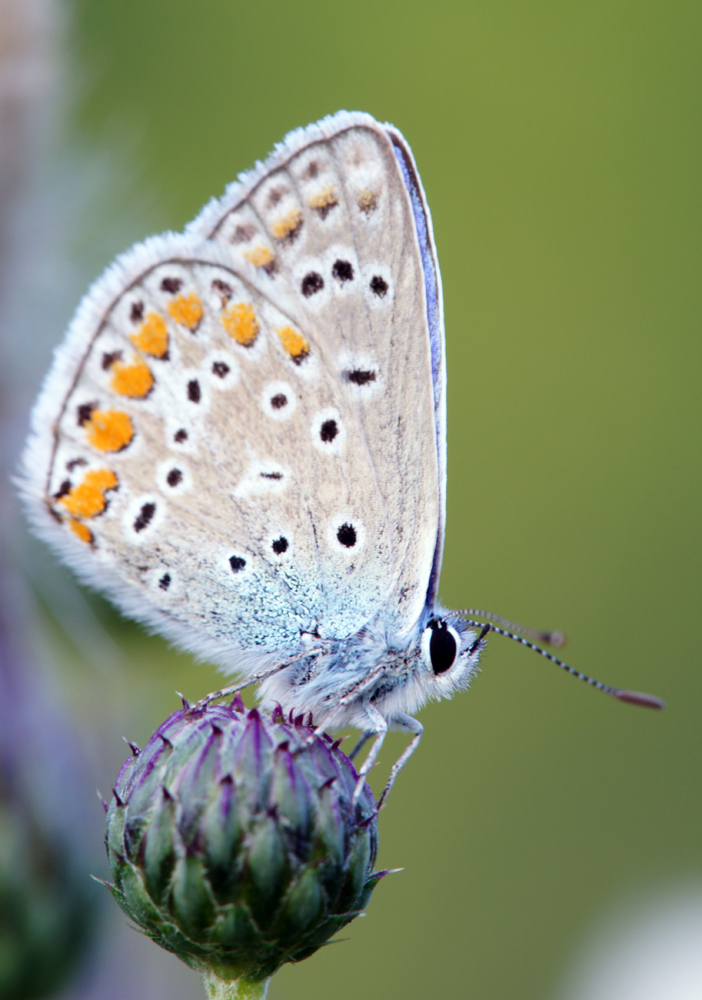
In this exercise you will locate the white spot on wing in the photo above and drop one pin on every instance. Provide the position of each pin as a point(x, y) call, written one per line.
point(278, 400)
point(164, 581)
point(379, 277)
point(312, 281)
point(173, 477)
point(175, 427)
point(341, 523)
point(261, 477)
point(221, 369)
point(229, 560)
point(360, 374)
point(139, 522)
point(279, 546)
point(328, 431)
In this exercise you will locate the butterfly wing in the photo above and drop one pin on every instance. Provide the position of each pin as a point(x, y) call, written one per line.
point(237, 441)
point(338, 228)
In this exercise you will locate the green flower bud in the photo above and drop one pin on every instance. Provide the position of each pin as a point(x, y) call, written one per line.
point(233, 844)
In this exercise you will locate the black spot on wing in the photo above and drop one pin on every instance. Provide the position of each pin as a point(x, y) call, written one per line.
point(379, 286)
point(275, 195)
point(145, 516)
point(223, 290)
point(109, 358)
point(242, 234)
point(63, 489)
point(85, 412)
point(347, 535)
point(343, 270)
point(328, 431)
point(361, 376)
point(311, 284)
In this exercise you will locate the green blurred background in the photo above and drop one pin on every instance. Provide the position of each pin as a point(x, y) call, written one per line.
point(559, 147)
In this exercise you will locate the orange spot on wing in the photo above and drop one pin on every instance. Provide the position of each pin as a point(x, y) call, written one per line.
point(323, 201)
point(88, 498)
point(293, 343)
point(186, 309)
point(152, 336)
point(109, 430)
point(133, 380)
point(288, 226)
point(240, 323)
point(259, 256)
point(81, 530)
point(367, 201)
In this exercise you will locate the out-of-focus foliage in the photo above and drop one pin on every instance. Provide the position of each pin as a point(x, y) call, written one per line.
point(47, 903)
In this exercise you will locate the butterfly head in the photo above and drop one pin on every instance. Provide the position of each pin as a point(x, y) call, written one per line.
point(449, 653)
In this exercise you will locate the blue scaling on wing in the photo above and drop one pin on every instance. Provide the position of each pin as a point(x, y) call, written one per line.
point(429, 266)
point(431, 285)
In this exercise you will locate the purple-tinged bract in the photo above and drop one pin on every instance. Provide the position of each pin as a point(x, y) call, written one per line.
point(232, 842)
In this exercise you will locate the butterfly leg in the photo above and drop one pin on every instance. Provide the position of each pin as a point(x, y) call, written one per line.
point(256, 679)
point(380, 728)
point(345, 699)
point(360, 745)
point(415, 727)
point(235, 688)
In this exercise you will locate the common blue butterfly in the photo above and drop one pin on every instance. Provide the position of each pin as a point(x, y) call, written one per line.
point(242, 438)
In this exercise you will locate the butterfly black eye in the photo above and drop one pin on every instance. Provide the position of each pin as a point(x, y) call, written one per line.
point(442, 646)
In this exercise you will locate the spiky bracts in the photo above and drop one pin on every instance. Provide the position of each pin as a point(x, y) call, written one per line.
point(232, 842)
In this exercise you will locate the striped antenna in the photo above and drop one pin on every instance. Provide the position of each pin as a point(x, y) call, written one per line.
point(552, 638)
point(633, 697)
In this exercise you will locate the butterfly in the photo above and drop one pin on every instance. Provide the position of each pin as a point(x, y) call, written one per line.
point(242, 440)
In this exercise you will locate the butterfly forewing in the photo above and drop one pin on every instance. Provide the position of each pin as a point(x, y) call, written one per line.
point(245, 448)
point(334, 240)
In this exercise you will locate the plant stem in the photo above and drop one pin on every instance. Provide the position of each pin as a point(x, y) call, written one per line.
point(234, 989)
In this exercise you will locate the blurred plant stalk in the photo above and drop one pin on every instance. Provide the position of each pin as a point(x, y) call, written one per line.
point(46, 906)
point(47, 910)
point(237, 989)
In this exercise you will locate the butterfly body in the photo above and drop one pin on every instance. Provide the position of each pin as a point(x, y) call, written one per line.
point(337, 682)
point(242, 439)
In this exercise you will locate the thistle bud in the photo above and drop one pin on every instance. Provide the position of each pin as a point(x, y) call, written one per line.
point(233, 844)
